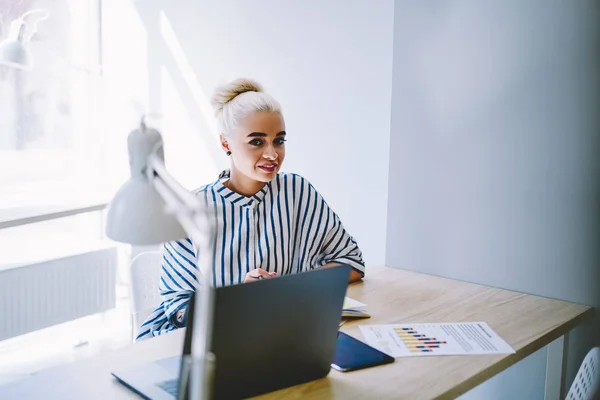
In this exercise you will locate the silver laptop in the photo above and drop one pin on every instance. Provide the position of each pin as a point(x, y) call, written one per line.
point(267, 335)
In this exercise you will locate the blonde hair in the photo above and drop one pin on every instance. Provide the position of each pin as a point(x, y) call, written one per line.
point(237, 99)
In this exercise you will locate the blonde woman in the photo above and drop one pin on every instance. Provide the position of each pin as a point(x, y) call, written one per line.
point(268, 223)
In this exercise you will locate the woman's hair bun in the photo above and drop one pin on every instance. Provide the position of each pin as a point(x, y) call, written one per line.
point(226, 93)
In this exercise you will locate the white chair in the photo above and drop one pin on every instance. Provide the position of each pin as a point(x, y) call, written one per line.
point(143, 286)
point(586, 385)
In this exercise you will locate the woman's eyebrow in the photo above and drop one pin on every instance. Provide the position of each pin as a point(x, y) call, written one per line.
point(262, 134)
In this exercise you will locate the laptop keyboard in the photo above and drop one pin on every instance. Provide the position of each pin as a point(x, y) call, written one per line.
point(169, 386)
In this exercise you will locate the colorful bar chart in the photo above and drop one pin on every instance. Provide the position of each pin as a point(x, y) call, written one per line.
point(435, 339)
point(417, 342)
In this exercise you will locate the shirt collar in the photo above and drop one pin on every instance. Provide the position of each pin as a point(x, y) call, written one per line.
point(239, 199)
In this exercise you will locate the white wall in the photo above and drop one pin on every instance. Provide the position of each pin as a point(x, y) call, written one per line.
point(494, 167)
point(328, 63)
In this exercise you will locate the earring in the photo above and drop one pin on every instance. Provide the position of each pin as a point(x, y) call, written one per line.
point(228, 153)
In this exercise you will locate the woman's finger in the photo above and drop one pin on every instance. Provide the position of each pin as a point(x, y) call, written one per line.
point(259, 274)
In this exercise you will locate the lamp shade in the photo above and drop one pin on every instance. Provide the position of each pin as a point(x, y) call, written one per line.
point(138, 214)
point(13, 50)
point(14, 54)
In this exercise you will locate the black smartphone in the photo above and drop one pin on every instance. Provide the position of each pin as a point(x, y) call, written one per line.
point(352, 354)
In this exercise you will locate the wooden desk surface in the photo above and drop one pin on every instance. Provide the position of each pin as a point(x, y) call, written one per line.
point(526, 322)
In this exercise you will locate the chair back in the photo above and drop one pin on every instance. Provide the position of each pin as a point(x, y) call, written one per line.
point(586, 385)
point(143, 286)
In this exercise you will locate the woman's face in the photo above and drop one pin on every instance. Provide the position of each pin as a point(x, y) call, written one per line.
point(257, 145)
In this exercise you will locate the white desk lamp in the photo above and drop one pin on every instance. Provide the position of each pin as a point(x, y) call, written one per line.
point(151, 208)
point(13, 49)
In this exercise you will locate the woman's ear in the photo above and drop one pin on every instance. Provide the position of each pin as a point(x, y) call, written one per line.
point(224, 143)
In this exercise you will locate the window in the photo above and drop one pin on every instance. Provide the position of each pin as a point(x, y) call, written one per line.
point(55, 151)
point(99, 65)
point(53, 148)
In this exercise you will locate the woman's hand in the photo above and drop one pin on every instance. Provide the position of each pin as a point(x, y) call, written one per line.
point(258, 274)
point(355, 276)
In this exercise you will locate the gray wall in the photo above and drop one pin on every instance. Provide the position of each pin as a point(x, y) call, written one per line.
point(494, 165)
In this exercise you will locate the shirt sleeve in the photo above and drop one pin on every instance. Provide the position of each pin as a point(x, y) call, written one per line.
point(178, 279)
point(337, 245)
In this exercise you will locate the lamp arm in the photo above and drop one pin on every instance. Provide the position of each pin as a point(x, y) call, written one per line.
point(36, 11)
point(194, 219)
point(187, 208)
point(156, 169)
point(45, 15)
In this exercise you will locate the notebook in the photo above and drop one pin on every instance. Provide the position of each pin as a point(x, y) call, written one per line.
point(354, 309)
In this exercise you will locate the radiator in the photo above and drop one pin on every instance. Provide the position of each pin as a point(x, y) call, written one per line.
point(50, 292)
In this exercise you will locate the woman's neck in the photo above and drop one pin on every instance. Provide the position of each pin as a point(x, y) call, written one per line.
point(243, 185)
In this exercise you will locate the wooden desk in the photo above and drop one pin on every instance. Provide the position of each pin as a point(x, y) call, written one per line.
point(526, 322)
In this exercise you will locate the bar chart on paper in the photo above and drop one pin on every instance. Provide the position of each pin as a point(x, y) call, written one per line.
point(435, 339)
point(417, 342)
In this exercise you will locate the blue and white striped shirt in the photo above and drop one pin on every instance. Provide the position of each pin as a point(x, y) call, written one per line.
point(286, 227)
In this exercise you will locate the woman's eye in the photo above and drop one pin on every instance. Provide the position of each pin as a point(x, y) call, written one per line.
point(256, 142)
point(280, 141)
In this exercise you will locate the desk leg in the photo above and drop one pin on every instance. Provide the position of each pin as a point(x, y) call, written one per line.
point(556, 368)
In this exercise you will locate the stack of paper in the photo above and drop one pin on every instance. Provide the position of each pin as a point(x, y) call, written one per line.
point(354, 309)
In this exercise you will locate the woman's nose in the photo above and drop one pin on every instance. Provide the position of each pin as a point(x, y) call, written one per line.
point(270, 153)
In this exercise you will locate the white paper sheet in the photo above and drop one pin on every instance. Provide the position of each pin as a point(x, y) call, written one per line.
point(413, 340)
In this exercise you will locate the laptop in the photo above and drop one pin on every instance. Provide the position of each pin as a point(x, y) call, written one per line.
point(267, 335)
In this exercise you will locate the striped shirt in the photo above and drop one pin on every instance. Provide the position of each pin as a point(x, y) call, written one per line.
point(286, 227)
